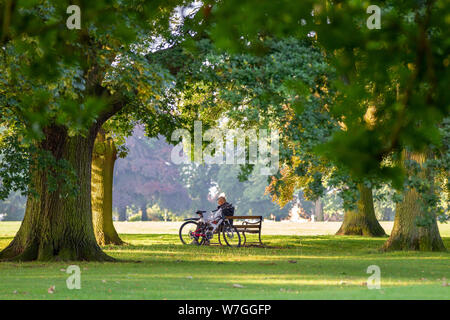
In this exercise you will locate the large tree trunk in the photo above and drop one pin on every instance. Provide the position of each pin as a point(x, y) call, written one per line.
point(406, 235)
point(57, 226)
point(318, 210)
point(362, 221)
point(103, 160)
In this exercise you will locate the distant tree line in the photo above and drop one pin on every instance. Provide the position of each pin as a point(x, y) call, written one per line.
point(147, 186)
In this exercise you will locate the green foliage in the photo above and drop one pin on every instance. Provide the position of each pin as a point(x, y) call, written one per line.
point(13, 173)
point(387, 91)
point(402, 69)
point(18, 162)
point(51, 76)
point(384, 201)
point(249, 197)
point(260, 91)
point(13, 208)
point(269, 64)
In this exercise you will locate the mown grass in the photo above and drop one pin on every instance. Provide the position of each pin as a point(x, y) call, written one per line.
point(290, 267)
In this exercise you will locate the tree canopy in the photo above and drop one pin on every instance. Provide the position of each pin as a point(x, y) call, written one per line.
point(358, 109)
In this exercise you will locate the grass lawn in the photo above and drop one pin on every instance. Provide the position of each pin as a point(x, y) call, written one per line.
point(157, 266)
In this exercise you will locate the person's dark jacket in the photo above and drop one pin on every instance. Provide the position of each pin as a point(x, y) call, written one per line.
point(227, 209)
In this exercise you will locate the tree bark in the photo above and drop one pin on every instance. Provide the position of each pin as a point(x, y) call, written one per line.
point(103, 161)
point(362, 221)
point(55, 226)
point(406, 234)
point(318, 210)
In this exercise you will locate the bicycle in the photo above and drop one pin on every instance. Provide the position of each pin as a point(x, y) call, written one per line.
point(201, 230)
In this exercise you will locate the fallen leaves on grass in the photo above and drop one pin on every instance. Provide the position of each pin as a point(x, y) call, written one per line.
point(51, 290)
point(236, 285)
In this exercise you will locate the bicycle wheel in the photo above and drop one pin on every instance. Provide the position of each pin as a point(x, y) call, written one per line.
point(186, 233)
point(231, 236)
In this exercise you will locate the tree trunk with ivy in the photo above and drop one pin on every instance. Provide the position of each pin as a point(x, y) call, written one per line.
point(103, 161)
point(57, 225)
point(362, 221)
point(406, 233)
point(58, 218)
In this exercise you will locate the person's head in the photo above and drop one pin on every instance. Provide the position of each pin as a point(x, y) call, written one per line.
point(221, 201)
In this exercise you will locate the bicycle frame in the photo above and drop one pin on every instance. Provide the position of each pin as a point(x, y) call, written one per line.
point(217, 226)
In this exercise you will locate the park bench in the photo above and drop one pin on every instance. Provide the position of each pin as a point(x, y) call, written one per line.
point(248, 224)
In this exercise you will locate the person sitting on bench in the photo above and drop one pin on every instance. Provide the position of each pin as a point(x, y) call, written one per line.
point(227, 208)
